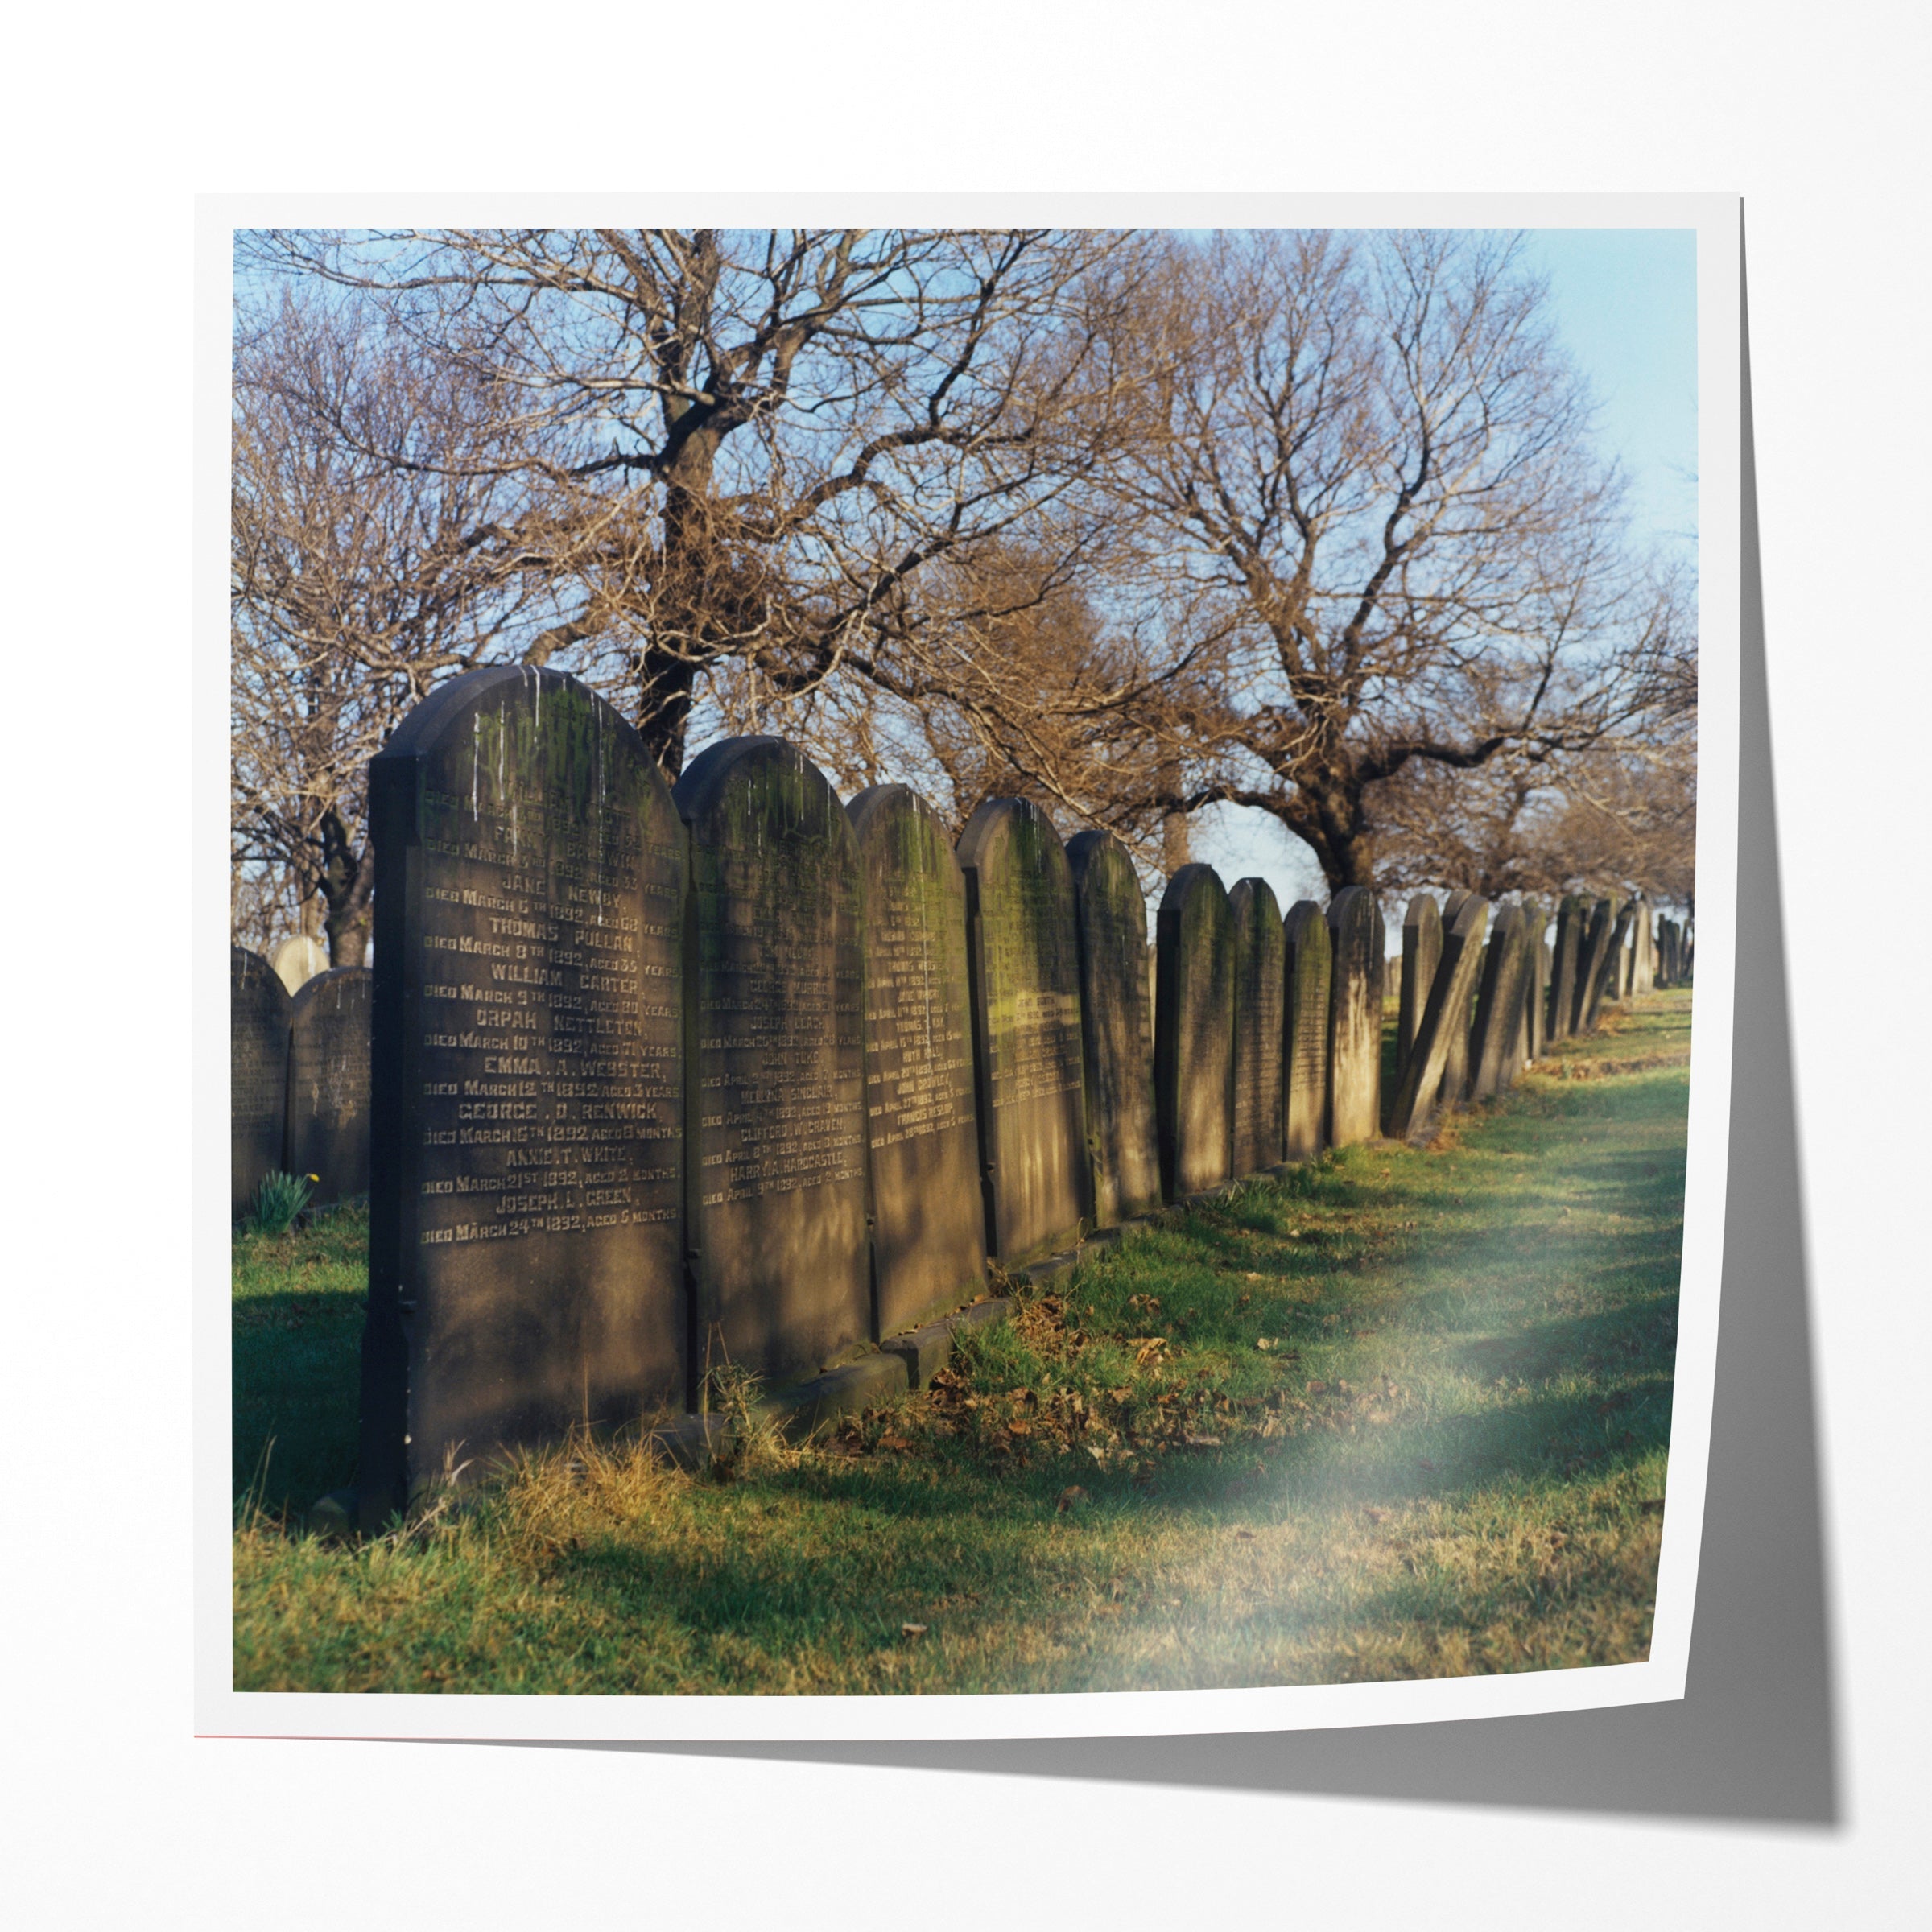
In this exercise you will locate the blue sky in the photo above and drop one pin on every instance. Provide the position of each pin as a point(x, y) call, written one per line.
point(1624, 303)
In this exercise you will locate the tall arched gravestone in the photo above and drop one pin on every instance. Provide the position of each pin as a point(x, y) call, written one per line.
point(1355, 1018)
point(1116, 1029)
point(1424, 1089)
point(1193, 1033)
point(328, 1065)
point(928, 1226)
point(526, 1177)
point(1023, 952)
point(1499, 1008)
point(1421, 948)
point(1306, 972)
point(1593, 961)
point(1572, 915)
point(1260, 1006)
point(257, 1073)
point(784, 1271)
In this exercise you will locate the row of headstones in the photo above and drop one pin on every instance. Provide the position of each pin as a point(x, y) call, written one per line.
point(735, 1074)
point(299, 1079)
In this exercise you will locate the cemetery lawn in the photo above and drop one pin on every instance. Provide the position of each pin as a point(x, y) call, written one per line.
point(1404, 1414)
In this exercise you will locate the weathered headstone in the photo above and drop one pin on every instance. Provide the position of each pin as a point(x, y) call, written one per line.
point(1423, 1088)
point(527, 1171)
point(1306, 969)
point(328, 1056)
point(1455, 1070)
point(1499, 1007)
point(257, 1073)
point(922, 1145)
point(1616, 978)
point(1193, 1032)
point(1535, 979)
point(1421, 948)
point(779, 1153)
point(1594, 963)
point(1260, 998)
point(1643, 950)
point(1355, 1016)
point(298, 961)
point(1116, 1029)
point(1023, 951)
point(1572, 916)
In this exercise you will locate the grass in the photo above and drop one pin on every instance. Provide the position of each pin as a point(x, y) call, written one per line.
point(1404, 1414)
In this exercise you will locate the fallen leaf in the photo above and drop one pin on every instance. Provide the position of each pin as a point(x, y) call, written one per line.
point(912, 1629)
point(1377, 1516)
point(1263, 1342)
point(1203, 1442)
point(1652, 1506)
point(1071, 1497)
point(1243, 1536)
point(1318, 1388)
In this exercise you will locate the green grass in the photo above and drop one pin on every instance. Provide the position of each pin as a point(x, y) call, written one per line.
point(1447, 1459)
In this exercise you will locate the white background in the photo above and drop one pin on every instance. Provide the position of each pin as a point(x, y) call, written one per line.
point(116, 1814)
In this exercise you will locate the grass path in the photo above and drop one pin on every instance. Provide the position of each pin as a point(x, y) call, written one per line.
point(1404, 1414)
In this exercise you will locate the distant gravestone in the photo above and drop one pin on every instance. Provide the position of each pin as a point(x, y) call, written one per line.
point(1616, 978)
point(1422, 1089)
point(1306, 969)
point(1421, 948)
point(1116, 1029)
point(298, 961)
point(1260, 999)
point(1023, 949)
point(1193, 1032)
point(1594, 964)
point(1571, 915)
point(1455, 1070)
point(1643, 950)
point(527, 1224)
point(257, 1074)
point(929, 1226)
point(1499, 1007)
point(783, 1267)
point(328, 1056)
point(1355, 1018)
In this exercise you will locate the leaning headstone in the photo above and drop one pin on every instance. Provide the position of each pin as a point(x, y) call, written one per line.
point(783, 1265)
point(1116, 1029)
point(1023, 951)
point(1571, 915)
point(922, 1141)
point(1423, 1088)
point(1499, 1007)
point(257, 1074)
point(1355, 1016)
point(1535, 980)
point(1306, 969)
point(329, 1054)
point(1594, 963)
point(298, 961)
point(527, 1101)
point(1421, 948)
point(1455, 1071)
point(1259, 1007)
point(1617, 976)
point(1193, 1032)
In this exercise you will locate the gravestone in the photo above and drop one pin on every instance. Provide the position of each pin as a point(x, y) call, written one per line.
point(1643, 950)
point(1616, 977)
point(1423, 1089)
point(1570, 916)
point(922, 1141)
point(1116, 1029)
point(1499, 1007)
point(528, 1091)
point(298, 961)
point(1536, 979)
point(1307, 957)
point(1421, 948)
point(1023, 954)
point(328, 1056)
point(1355, 1016)
point(1259, 1000)
point(783, 1265)
point(257, 1074)
point(1193, 1033)
point(1594, 963)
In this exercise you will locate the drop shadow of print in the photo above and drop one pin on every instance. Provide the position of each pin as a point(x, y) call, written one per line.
point(1755, 1737)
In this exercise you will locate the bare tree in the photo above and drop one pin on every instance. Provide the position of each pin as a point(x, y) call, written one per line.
point(741, 451)
point(357, 583)
point(1371, 451)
